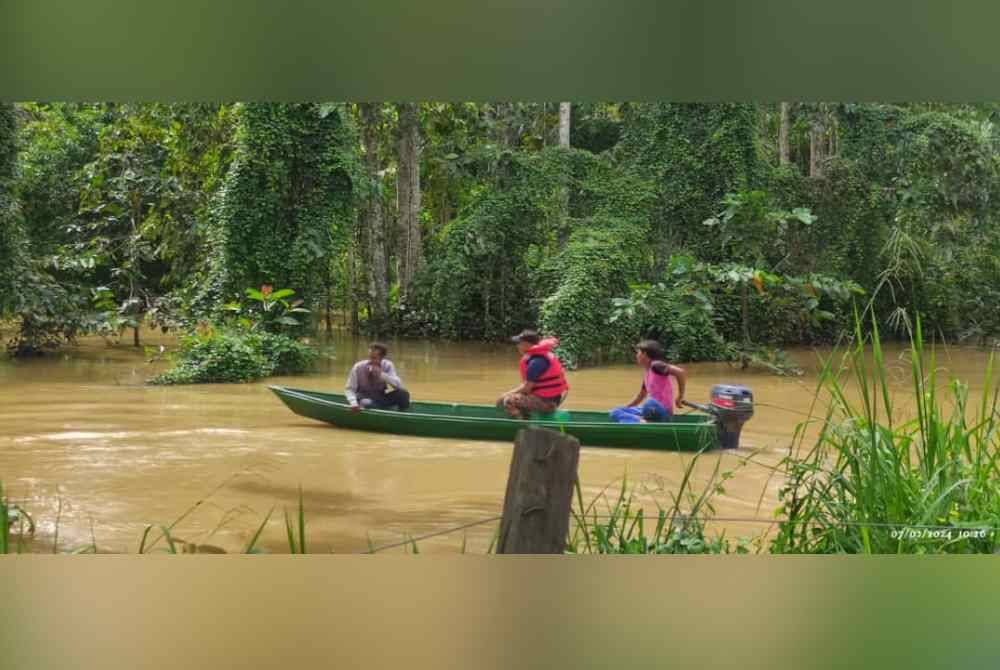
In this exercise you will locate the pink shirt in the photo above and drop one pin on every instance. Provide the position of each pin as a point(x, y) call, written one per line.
point(659, 388)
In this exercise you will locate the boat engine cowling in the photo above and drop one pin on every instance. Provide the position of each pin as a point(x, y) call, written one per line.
point(732, 405)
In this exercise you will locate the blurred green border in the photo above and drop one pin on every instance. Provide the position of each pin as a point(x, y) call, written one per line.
point(511, 49)
point(499, 613)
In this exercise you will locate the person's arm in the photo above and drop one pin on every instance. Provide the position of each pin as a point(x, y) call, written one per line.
point(389, 375)
point(351, 388)
point(525, 388)
point(639, 396)
point(536, 368)
point(681, 375)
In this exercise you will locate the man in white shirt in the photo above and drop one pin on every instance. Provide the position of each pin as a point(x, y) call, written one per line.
point(368, 380)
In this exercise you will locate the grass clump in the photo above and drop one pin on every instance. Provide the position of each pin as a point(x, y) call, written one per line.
point(13, 515)
point(620, 526)
point(876, 484)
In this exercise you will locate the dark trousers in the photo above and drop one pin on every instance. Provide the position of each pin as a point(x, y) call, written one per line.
point(395, 399)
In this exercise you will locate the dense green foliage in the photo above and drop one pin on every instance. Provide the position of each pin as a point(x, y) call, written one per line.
point(145, 203)
point(677, 221)
point(694, 154)
point(11, 233)
point(48, 312)
point(223, 355)
point(478, 279)
point(289, 191)
point(596, 266)
point(114, 200)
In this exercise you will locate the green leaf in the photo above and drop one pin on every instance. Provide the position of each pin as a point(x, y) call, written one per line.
point(251, 546)
point(804, 215)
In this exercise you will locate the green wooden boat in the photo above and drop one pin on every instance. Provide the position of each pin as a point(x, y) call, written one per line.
point(687, 432)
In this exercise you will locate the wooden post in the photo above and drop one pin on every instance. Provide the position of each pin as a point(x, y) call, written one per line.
point(536, 506)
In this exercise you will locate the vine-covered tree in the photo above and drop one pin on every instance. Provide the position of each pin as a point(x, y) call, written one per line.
point(11, 233)
point(374, 216)
point(410, 252)
point(290, 190)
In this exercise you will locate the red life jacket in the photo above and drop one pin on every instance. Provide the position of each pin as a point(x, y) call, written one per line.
point(552, 383)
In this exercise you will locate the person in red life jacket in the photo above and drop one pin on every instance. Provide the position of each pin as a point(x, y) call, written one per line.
point(543, 383)
point(656, 400)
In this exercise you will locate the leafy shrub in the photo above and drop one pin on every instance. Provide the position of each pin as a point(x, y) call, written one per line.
point(681, 317)
point(596, 266)
point(286, 355)
point(268, 311)
point(214, 356)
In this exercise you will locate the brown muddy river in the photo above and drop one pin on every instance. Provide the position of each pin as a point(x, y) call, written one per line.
point(79, 431)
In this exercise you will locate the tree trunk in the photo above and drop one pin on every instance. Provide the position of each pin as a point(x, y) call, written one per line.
point(410, 252)
point(562, 234)
point(817, 146)
point(564, 116)
point(500, 116)
point(745, 313)
point(445, 208)
point(352, 296)
point(544, 126)
point(511, 127)
point(832, 135)
point(135, 336)
point(327, 316)
point(378, 270)
point(783, 135)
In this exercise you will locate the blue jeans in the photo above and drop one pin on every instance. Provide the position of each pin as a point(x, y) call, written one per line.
point(650, 410)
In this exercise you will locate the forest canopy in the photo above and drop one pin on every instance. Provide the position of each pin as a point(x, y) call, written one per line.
point(726, 230)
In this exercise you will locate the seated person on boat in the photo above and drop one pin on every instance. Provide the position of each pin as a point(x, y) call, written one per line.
point(369, 380)
point(543, 383)
point(657, 389)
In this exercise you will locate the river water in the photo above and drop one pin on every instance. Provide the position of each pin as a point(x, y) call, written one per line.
point(95, 455)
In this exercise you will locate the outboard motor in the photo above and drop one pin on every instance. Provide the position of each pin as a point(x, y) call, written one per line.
point(732, 405)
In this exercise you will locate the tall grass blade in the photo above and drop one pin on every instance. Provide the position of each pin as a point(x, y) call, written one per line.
point(290, 530)
point(870, 476)
point(171, 547)
point(55, 539)
point(142, 542)
point(252, 544)
point(302, 523)
point(4, 523)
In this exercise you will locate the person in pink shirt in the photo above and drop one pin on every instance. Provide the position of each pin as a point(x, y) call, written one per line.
point(656, 399)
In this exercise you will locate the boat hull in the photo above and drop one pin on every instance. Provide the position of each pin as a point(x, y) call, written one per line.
point(690, 432)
